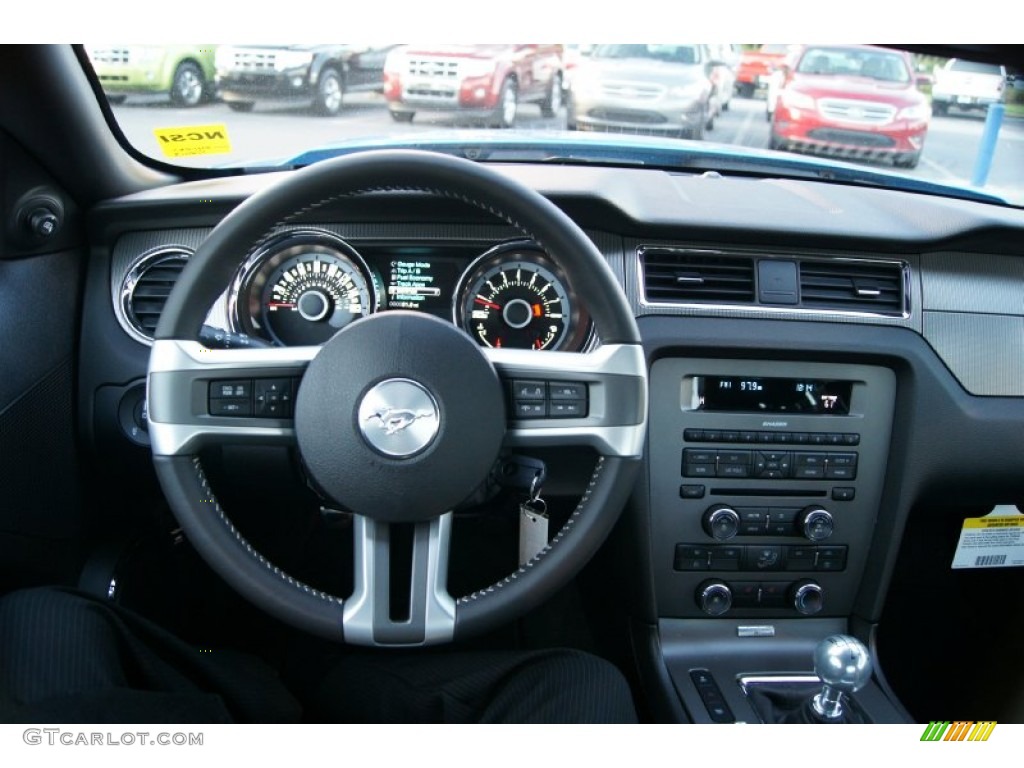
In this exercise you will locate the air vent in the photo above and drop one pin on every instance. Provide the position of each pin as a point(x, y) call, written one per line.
point(696, 277)
point(852, 286)
point(145, 289)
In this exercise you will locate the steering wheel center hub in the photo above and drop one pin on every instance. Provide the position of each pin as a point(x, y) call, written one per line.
point(399, 417)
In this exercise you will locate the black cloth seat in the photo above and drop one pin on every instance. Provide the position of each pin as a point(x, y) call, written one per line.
point(68, 657)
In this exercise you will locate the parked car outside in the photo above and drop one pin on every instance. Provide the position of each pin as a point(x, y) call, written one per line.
point(756, 67)
point(318, 75)
point(484, 82)
point(183, 72)
point(655, 89)
point(967, 85)
point(777, 79)
point(855, 101)
point(572, 55)
point(725, 58)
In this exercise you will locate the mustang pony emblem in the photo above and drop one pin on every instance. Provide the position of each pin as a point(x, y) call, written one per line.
point(394, 420)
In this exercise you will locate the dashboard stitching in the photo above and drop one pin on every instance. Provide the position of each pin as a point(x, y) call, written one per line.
point(201, 476)
point(562, 533)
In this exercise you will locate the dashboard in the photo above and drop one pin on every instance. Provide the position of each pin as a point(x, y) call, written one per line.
point(822, 361)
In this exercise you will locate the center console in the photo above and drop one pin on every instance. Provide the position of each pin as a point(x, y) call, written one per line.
point(765, 483)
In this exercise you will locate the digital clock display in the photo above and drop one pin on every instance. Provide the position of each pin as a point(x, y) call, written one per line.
point(755, 394)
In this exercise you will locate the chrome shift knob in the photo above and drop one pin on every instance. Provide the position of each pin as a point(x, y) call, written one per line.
point(844, 666)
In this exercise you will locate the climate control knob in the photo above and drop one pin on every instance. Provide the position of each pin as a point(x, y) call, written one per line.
point(721, 522)
point(815, 523)
point(714, 597)
point(807, 597)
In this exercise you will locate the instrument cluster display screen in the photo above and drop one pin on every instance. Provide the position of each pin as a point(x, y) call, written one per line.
point(421, 283)
point(756, 394)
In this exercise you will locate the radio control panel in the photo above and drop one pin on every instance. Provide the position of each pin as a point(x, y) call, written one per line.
point(765, 477)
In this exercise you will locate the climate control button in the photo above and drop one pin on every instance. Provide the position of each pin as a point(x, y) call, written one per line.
point(714, 597)
point(721, 522)
point(815, 523)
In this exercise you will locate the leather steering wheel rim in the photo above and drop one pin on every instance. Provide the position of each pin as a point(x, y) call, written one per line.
point(616, 371)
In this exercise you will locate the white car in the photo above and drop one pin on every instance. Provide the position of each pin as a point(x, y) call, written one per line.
point(967, 85)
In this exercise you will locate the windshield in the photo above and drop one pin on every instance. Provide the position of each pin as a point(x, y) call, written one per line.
point(859, 114)
point(682, 54)
point(855, 63)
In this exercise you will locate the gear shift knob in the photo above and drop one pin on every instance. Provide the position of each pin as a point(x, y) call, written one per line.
point(844, 666)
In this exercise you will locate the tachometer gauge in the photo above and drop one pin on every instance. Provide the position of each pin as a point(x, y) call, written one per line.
point(515, 296)
point(302, 288)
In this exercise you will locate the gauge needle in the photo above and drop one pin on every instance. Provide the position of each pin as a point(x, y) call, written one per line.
point(276, 304)
point(486, 303)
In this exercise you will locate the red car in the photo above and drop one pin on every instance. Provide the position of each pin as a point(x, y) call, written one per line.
point(756, 68)
point(485, 82)
point(859, 102)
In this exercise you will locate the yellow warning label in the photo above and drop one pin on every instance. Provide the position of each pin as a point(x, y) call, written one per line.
point(994, 522)
point(193, 140)
point(993, 541)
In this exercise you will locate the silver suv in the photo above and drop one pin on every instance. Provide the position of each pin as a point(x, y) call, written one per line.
point(661, 90)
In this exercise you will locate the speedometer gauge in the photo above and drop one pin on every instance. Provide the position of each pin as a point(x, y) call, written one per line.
point(515, 296)
point(302, 288)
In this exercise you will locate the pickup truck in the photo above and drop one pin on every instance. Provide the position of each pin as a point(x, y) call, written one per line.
point(483, 82)
point(967, 85)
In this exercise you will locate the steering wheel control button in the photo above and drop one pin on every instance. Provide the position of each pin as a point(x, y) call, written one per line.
point(529, 390)
point(412, 430)
point(529, 409)
point(544, 399)
point(568, 390)
point(273, 398)
point(567, 409)
point(231, 397)
point(399, 417)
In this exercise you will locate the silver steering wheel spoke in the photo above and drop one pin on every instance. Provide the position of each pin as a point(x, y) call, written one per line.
point(613, 415)
point(427, 615)
point(199, 396)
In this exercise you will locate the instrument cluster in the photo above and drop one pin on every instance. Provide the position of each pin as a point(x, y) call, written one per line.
point(303, 286)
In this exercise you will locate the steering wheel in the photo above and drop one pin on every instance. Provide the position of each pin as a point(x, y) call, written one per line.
point(413, 469)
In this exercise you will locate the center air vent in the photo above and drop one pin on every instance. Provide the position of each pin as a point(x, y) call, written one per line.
point(145, 289)
point(852, 286)
point(696, 277)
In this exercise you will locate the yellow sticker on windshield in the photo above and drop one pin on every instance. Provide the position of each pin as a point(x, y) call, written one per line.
point(193, 140)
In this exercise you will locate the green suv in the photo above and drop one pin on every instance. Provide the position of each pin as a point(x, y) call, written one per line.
point(184, 72)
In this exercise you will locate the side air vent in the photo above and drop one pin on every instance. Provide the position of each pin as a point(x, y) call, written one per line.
point(852, 286)
point(696, 277)
point(145, 289)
